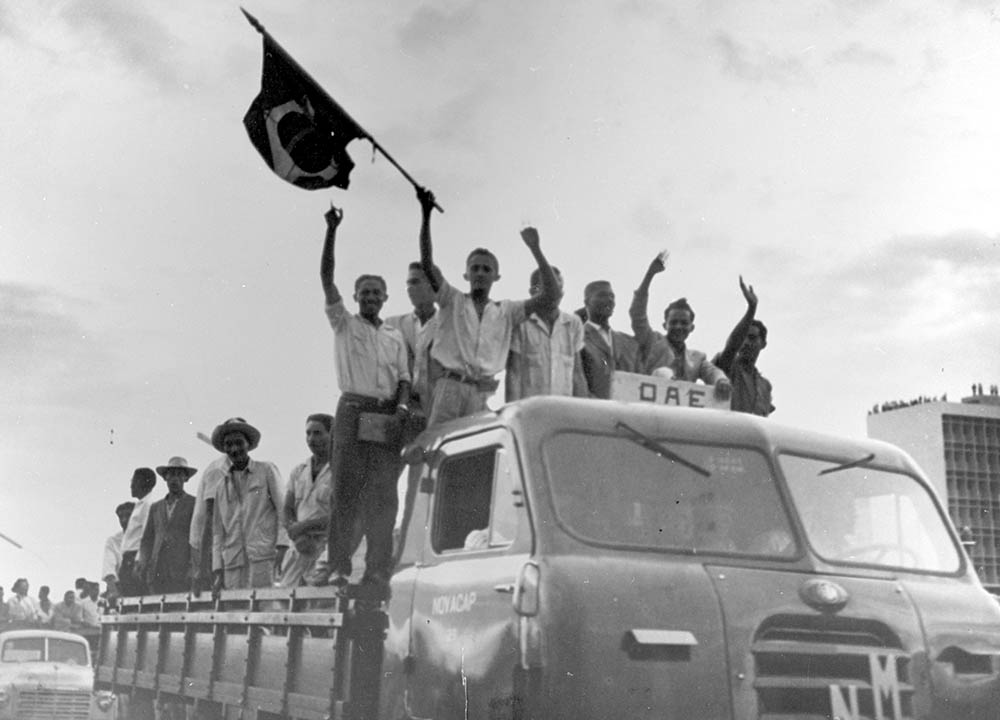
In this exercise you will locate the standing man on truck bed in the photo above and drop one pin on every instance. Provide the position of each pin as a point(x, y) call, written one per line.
point(130, 582)
point(670, 351)
point(604, 350)
point(751, 390)
point(374, 378)
point(248, 540)
point(474, 331)
point(307, 503)
point(166, 554)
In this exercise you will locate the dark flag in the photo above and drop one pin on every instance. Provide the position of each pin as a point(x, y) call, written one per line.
point(301, 133)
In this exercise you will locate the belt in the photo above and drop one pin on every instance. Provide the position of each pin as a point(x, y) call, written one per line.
point(486, 384)
point(366, 402)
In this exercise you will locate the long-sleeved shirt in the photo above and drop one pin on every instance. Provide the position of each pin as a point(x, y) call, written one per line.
point(136, 525)
point(246, 525)
point(543, 362)
point(211, 477)
point(656, 351)
point(307, 498)
point(112, 556)
point(369, 360)
point(418, 337)
point(66, 617)
point(22, 609)
point(474, 346)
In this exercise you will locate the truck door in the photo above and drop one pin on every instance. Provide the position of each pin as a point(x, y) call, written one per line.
point(464, 645)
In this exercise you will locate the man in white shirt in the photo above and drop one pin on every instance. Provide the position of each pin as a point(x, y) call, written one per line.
point(200, 536)
point(373, 374)
point(113, 550)
point(143, 482)
point(418, 328)
point(474, 331)
point(307, 503)
point(248, 539)
point(545, 352)
point(21, 607)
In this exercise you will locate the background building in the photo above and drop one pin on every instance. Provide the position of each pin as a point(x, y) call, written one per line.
point(958, 447)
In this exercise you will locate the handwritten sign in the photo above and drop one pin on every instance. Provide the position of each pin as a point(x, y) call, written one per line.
point(632, 387)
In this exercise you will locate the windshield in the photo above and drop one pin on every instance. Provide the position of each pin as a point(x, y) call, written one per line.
point(860, 515)
point(32, 649)
point(627, 489)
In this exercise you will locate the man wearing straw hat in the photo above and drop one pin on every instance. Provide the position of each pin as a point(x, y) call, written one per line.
point(165, 555)
point(248, 539)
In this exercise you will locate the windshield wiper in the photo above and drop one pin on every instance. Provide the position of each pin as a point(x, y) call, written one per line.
point(659, 449)
point(848, 465)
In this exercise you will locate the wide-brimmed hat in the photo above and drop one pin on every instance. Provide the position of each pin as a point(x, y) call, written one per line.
point(232, 425)
point(176, 462)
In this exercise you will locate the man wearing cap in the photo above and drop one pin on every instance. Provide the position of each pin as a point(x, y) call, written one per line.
point(248, 539)
point(113, 550)
point(374, 378)
point(143, 482)
point(165, 555)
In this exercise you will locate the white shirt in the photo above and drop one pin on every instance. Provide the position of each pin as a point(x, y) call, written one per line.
point(418, 337)
point(541, 363)
point(310, 498)
point(112, 556)
point(369, 360)
point(136, 525)
point(466, 344)
point(211, 476)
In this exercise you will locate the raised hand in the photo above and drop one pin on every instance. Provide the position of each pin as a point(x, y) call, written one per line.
point(748, 293)
point(426, 198)
point(659, 263)
point(530, 237)
point(333, 217)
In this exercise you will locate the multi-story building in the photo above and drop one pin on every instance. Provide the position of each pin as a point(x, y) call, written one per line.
point(958, 447)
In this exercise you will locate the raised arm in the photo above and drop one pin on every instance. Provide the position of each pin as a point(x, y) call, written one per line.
point(638, 311)
point(333, 217)
point(550, 294)
point(739, 333)
point(426, 198)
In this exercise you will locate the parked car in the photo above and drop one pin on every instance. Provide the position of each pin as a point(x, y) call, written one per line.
point(47, 675)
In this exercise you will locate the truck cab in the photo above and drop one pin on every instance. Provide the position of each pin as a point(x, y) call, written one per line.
point(570, 558)
point(47, 675)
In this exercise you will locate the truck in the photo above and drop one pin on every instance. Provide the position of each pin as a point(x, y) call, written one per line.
point(48, 675)
point(567, 558)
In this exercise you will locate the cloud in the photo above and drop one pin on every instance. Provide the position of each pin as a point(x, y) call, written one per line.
point(862, 55)
point(915, 290)
point(759, 65)
point(135, 37)
point(430, 27)
point(46, 354)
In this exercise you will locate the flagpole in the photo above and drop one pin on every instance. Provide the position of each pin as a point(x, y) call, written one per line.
point(325, 96)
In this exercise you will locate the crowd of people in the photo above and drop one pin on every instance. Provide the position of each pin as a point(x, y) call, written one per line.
point(79, 610)
point(397, 376)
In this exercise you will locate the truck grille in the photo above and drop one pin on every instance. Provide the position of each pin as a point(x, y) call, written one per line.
point(822, 667)
point(53, 705)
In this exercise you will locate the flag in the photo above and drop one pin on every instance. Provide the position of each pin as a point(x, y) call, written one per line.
point(297, 128)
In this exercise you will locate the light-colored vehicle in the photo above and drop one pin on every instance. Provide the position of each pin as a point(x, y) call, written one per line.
point(571, 559)
point(47, 675)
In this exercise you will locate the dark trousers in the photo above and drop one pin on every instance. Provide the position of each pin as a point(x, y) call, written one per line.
point(129, 582)
point(364, 489)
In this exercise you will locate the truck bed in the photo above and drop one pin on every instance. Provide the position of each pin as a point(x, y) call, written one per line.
point(303, 653)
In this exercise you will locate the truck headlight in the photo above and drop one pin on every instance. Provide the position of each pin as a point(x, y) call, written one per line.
point(105, 700)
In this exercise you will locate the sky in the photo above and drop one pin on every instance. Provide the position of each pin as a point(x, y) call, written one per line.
point(156, 278)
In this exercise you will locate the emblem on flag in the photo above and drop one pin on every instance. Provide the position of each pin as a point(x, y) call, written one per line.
point(295, 126)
